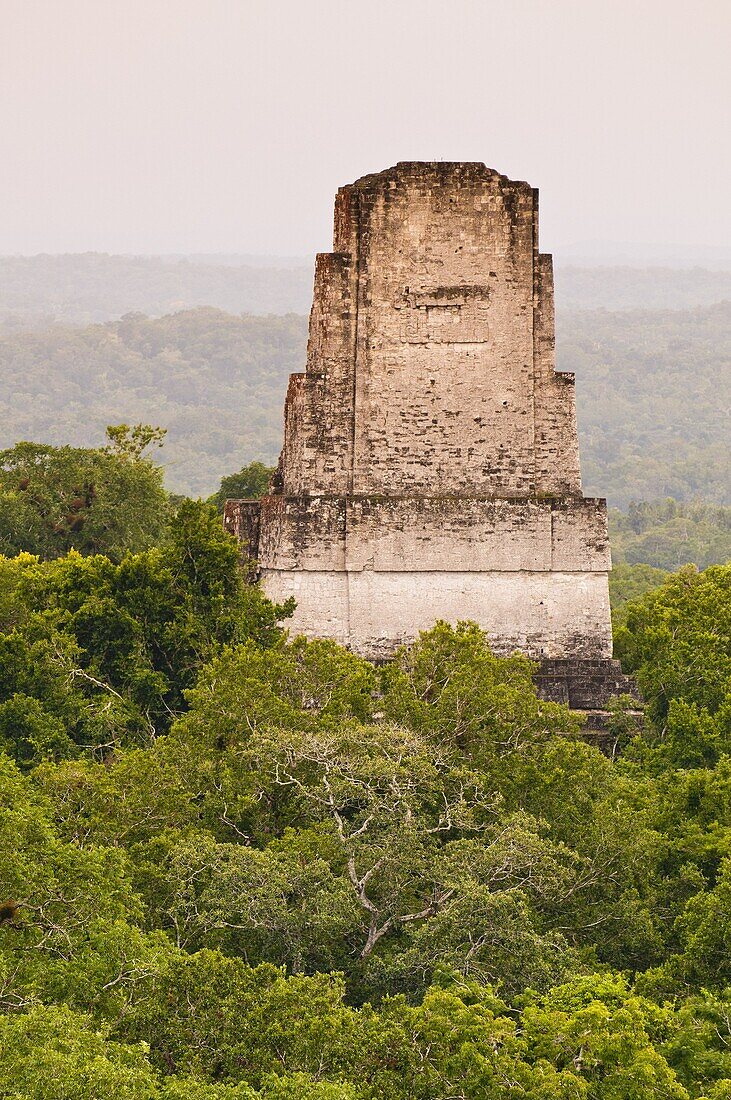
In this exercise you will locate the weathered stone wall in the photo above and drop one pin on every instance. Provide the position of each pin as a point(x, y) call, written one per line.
point(430, 364)
point(241, 518)
point(451, 534)
point(430, 465)
point(545, 614)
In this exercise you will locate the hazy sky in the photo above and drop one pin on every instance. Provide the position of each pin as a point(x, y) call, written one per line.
point(227, 125)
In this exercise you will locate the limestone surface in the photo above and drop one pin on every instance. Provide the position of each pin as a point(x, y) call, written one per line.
point(430, 466)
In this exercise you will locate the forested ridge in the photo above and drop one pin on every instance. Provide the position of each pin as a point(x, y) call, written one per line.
point(652, 392)
point(237, 865)
point(636, 288)
point(90, 287)
point(216, 383)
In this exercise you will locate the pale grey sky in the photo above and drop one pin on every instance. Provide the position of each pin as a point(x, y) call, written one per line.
point(227, 125)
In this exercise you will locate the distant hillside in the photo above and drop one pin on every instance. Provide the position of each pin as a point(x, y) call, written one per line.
point(91, 287)
point(215, 381)
point(638, 288)
point(653, 393)
point(667, 535)
point(653, 396)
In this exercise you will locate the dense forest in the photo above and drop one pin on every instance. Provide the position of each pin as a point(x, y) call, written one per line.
point(236, 865)
point(240, 866)
point(215, 381)
point(652, 392)
point(668, 534)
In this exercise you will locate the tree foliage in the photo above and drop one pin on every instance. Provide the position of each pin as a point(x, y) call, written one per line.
point(677, 640)
point(107, 500)
point(251, 481)
point(96, 653)
point(667, 534)
point(239, 865)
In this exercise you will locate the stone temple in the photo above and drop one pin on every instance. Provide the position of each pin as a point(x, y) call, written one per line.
point(430, 467)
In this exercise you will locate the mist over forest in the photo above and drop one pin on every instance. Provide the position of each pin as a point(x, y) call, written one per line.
point(83, 288)
point(204, 345)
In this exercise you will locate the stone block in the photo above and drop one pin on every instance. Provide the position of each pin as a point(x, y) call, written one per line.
point(430, 466)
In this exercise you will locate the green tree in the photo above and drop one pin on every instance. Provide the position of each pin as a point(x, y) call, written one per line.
point(132, 442)
point(677, 640)
point(55, 499)
point(408, 826)
point(251, 481)
point(109, 649)
point(450, 685)
point(607, 1035)
point(630, 582)
point(54, 1054)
